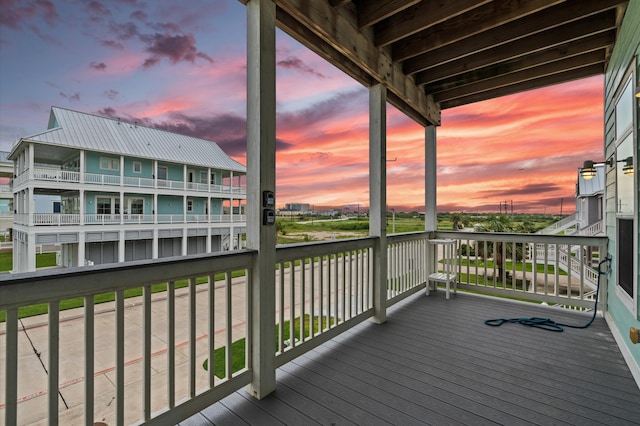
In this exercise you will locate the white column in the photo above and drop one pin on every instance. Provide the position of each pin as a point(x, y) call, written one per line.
point(378, 196)
point(121, 170)
point(31, 204)
point(82, 166)
point(31, 252)
point(261, 159)
point(31, 163)
point(154, 245)
point(121, 246)
point(81, 248)
point(81, 207)
point(430, 182)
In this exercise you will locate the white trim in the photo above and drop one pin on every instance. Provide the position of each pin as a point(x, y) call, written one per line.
point(624, 349)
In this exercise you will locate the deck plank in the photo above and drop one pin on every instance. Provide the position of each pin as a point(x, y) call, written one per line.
point(435, 362)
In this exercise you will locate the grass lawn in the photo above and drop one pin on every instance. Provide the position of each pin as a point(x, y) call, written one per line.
point(238, 351)
point(43, 260)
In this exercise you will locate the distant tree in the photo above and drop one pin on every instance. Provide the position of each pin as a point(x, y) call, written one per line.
point(496, 223)
point(457, 220)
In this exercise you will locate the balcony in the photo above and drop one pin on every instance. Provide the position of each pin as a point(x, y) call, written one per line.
point(45, 174)
point(139, 356)
point(66, 219)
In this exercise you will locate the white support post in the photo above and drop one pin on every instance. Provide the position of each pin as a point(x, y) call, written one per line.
point(82, 167)
point(430, 183)
point(81, 248)
point(261, 162)
point(378, 196)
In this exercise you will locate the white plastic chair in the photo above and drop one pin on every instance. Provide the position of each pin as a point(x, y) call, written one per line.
point(448, 274)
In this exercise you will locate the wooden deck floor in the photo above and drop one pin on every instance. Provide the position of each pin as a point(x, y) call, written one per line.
point(435, 362)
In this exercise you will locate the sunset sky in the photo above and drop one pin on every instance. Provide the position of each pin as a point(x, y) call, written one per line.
point(181, 66)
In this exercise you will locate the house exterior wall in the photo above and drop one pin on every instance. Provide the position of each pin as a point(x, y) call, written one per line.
point(57, 189)
point(623, 311)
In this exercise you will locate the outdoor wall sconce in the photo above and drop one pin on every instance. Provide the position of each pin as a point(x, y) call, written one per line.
point(588, 170)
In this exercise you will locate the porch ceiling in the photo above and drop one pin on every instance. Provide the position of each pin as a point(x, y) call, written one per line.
point(435, 55)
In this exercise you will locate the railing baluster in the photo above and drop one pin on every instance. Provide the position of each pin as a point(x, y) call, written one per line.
point(119, 357)
point(192, 337)
point(281, 313)
point(89, 359)
point(336, 291)
point(228, 326)
point(171, 344)
point(302, 297)
point(11, 367)
point(312, 301)
point(211, 329)
point(546, 269)
point(321, 293)
point(556, 270)
point(292, 301)
point(54, 356)
point(146, 352)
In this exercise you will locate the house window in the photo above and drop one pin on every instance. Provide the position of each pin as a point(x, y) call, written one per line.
point(137, 167)
point(136, 206)
point(213, 179)
point(106, 205)
point(625, 255)
point(109, 163)
point(189, 205)
point(625, 196)
point(203, 177)
point(162, 173)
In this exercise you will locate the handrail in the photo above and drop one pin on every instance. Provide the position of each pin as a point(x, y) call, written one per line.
point(330, 285)
point(52, 174)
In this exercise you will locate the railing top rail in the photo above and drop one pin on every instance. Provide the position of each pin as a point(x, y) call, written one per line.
point(523, 238)
point(47, 285)
point(319, 248)
point(409, 236)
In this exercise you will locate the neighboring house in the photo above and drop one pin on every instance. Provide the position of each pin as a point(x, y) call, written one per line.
point(589, 202)
point(108, 191)
point(621, 107)
point(6, 195)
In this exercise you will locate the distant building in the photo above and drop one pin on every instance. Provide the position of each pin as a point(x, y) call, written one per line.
point(297, 207)
point(590, 202)
point(106, 191)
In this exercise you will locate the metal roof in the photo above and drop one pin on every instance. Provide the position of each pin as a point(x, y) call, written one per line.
point(77, 130)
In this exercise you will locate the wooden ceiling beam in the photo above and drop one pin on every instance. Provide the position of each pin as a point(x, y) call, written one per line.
point(503, 78)
point(343, 44)
point(491, 15)
point(548, 80)
point(536, 43)
point(338, 3)
point(371, 12)
point(412, 20)
point(553, 17)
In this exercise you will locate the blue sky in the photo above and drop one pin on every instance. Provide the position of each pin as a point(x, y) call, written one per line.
point(181, 66)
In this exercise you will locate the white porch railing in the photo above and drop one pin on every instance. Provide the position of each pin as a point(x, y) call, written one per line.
point(159, 379)
point(593, 229)
point(529, 268)
point(57, 175)
point(63, 219)
point(554, 228)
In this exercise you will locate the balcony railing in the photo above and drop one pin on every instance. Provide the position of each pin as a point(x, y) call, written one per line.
point(63, 219)
point(198, 308)
point(67, 176)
